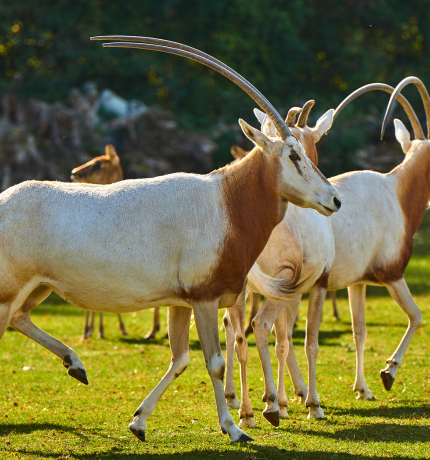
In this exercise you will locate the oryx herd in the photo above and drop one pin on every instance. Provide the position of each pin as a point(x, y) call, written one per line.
point(198, 243)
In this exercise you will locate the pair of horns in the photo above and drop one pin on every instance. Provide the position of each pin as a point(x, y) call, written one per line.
point(304, 115)
point(424, 96)
point(167, 46)
point(395, 94)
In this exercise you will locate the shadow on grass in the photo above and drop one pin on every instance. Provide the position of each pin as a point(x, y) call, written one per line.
point(252, 452)
point(390, 412)
point(374, 432)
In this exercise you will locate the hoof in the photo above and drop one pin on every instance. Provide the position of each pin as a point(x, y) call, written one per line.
point(365, 395)
point(140, 434)
point(78, 374)
point(244, 438)
point(316, 413)
point(283, 412)
point(232, 403)
point(272, 417)
point(247, 422)
point(387, 379)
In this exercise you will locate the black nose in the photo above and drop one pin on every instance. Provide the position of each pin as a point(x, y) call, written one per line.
point(337, 202)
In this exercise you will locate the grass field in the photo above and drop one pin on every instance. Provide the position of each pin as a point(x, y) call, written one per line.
point(47, 414)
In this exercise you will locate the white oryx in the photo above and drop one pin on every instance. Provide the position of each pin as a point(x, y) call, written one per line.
point(300, 251)
point(371, 247)
point(185, 241)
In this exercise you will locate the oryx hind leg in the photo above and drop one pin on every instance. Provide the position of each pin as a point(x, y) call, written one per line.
point(21, 322)
point(178, 323)
point(400, 293)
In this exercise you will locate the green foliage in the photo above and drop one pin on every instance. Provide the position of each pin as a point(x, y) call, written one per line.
point(290, 51)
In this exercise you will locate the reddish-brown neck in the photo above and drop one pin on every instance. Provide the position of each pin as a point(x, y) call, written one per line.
point(413, 187)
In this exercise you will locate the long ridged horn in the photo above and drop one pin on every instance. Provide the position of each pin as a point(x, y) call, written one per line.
point(424, 96)
point(303, 119)
point(209, 61)
point(292, 114)
point(416, 125)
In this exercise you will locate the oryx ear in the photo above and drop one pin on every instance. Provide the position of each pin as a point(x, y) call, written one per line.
point(254, 135)
point(402, 135)
point(260, 115)
point(323, 125)
point(238, 152)
point(266, 125)
point(111, 153)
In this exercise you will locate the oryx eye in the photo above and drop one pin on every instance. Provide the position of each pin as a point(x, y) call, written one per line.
point(294, 157)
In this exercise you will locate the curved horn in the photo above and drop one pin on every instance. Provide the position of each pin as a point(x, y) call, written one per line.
point(209, 61)
point(292, 114)
point(424, 96)
point(303, 119)
point(416, 126)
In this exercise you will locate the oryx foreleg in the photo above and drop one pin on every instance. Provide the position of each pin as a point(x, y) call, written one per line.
point(206, 317)
point(357, 300)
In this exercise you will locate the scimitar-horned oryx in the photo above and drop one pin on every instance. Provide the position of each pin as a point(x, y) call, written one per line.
point(184, 241)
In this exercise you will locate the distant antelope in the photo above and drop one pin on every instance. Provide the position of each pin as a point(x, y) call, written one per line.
point(350, 236)
point(184, 241)
point(105, 169)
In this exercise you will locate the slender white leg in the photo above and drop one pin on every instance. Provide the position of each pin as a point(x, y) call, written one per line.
point(155, 324)
point(122, 325)
point(254, 301)
point(237, 315)
point(262, 325)
point(21, 322)
point(357, 303)
point(282, 347)
point(316, 302)
point(178, 324)
point(300, 388)
point(400, 293)
point(206, 317)
point(229, 391)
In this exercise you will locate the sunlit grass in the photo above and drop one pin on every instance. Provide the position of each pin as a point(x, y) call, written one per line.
point(47, 414)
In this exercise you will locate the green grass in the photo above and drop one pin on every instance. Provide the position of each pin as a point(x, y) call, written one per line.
point(47, 414)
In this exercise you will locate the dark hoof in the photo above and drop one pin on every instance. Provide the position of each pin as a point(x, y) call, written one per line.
point(140, 434)
point(272, 417)
point(387, 379)
point(244, 438)
point(78, 374)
